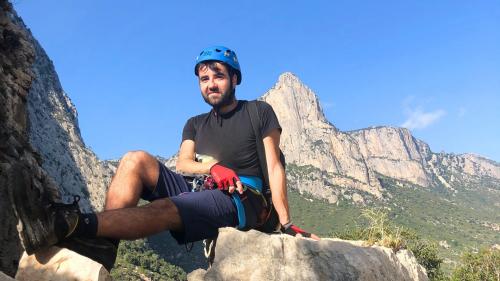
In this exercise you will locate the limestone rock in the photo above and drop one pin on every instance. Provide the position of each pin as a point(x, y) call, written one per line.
point(394, 152)
point(58, 264)
point(309, 139)
point(16, 58)
point(55, 134)
point(329, 162)
point(254, 255)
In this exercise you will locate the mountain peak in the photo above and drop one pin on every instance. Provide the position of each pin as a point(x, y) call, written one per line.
point(288, 78)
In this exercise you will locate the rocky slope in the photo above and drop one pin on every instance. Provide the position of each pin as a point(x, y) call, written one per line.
point(330, 163)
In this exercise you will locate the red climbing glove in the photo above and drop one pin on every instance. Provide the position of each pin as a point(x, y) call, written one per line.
point(293, 230)
point(223, 176)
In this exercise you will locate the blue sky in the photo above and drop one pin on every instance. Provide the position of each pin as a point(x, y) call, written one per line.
point(431, 66)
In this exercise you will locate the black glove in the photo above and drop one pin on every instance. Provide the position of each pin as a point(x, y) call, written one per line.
point(291, 229)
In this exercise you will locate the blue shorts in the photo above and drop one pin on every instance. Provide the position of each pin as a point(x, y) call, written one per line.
point(202, 213)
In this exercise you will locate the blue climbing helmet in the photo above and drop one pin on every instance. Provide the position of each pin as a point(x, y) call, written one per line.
point(221, 54)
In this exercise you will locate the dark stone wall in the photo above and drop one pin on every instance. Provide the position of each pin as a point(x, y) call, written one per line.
point(16, 59)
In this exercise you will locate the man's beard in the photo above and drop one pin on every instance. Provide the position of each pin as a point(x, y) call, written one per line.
point(226, 99)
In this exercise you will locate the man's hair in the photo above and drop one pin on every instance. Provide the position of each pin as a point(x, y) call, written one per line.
point(214, 66)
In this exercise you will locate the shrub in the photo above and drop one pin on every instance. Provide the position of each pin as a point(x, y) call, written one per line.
point(375, 228)
point(482, 266)
point(136, 261)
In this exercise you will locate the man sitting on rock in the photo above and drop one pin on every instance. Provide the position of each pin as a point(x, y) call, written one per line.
point(224, 134)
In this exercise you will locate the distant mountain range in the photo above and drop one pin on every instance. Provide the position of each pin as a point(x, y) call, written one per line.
point(355, 160)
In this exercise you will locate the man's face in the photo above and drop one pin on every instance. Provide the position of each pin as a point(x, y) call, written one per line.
point(217, 88)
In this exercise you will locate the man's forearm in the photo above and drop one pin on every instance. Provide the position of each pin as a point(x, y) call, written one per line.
point(188, 166)
point(277, 182)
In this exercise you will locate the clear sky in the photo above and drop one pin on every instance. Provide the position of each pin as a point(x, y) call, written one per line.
point(431, 66)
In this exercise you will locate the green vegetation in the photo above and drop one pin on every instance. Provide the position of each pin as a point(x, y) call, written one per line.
point(484, 266)
point(136, 261)
point(411, 214)
point(375, 228)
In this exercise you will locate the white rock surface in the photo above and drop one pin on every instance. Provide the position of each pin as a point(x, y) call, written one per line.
point(350, 161)
point(254, 255)
point(59, 264)
point(309, 139)
point(55, 134)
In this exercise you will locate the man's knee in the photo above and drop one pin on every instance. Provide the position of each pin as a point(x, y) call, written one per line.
point(136, 158)
point(142, 164)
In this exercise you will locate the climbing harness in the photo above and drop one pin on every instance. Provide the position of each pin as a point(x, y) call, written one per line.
point(248, 204)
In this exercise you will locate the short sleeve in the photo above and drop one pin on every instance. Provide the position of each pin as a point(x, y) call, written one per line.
point(189, 131)
point(268, 118)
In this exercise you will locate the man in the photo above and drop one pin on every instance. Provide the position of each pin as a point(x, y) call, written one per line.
point(225, 134)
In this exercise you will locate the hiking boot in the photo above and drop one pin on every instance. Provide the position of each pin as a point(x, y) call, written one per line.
point(43, 222)
point(101, 250)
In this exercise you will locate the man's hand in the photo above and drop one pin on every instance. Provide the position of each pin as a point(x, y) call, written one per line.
point(296, 231)
point(225, 178)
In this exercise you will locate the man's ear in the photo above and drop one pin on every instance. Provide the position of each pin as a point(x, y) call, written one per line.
point(234, 79)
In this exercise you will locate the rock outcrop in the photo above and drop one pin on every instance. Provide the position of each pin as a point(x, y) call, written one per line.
point(329, 163)
point(309, 139)
point(59, 264)
point(45, 141)
point(254, 255)
point(55, 134)
point(395, 153)
point(16, 58)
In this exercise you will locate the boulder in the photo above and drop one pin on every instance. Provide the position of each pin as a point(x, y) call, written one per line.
point(60, 264)
point(254, 255)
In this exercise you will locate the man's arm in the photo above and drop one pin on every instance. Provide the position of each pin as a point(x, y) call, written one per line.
point(186, 162)
point(276, 172)
point(223, 176)
point(277, 179)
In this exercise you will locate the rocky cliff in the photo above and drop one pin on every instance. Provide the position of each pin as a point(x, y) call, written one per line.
point(39, 131)
point(16, 58)
point(55, 134)
point(309, 139)
point(329, 163)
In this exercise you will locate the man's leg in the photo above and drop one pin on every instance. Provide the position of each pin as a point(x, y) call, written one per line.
point(137, 170)
point(138, 222)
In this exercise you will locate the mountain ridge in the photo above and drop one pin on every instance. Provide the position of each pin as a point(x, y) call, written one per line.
point(387, 150)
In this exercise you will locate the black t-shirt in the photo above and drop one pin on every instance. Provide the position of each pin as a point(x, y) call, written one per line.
point(230, 138)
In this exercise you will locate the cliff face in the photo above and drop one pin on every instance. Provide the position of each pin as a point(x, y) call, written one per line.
point(16, 58)
point(395, 153)
point(55, 134)
point(309, 139)
point(329, 162)
point(47, 141)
